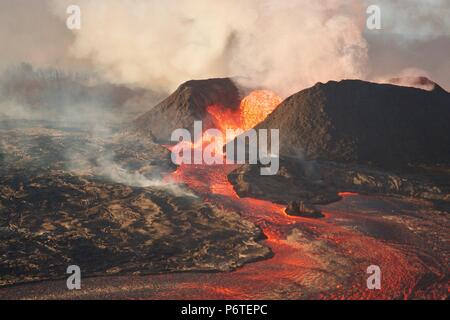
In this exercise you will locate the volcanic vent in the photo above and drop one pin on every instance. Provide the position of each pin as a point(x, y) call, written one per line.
point(186, 105)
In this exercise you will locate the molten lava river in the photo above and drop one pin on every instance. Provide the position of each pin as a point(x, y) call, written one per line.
point(312, 258)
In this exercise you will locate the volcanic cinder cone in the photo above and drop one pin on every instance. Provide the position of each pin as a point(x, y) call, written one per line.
point(186, 105)
point(360, 122)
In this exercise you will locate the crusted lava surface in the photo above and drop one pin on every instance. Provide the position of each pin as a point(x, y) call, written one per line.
point(71, 197)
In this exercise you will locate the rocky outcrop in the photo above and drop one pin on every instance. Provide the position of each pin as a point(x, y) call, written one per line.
point(303, 209)
point(319, 182)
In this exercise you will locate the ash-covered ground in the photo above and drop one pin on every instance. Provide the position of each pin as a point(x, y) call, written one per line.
point(97, 199)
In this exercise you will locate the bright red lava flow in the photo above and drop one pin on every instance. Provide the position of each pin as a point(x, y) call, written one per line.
point(300, 266)
point(313, 258)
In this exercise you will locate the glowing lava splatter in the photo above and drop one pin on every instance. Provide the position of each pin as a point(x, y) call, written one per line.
point(253, 109)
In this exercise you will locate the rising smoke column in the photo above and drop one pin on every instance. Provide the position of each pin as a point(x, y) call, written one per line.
point(281, 45)
point(284, 46)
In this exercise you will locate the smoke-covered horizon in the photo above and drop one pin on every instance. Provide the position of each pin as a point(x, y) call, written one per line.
point(284, 46)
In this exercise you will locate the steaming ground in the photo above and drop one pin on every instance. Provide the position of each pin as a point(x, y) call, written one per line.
point(77, 188)
point(69, 196)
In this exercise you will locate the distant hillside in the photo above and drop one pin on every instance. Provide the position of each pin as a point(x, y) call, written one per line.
point(26, 92)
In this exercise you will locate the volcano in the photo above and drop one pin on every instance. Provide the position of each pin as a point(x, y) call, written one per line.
point(114, 206)
point(353, 121)
point(187, 104)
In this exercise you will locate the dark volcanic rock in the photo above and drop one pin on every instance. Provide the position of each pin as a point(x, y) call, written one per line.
point(320, 182)
point(67, 197)
point(294, 181)
point(360, 122)
point(51, 221)
point(431, 183)
point(359, 137)
point(187, 104)
point(303, 210)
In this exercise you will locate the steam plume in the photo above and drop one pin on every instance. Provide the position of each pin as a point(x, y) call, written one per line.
point(281, 45)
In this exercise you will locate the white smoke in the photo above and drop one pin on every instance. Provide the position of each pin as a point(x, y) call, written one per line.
point(281, 45)
point(112, 170)
point(286, 44)
point(409, 77)
point(415, 20)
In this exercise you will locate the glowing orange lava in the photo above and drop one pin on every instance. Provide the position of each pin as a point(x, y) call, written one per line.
point(296, 261)
point(225, 118)
point(253, 109)
point(347, 194)
point(257, 106)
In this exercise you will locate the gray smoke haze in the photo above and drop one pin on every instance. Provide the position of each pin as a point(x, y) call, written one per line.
point(30, 33)
point(31, 93)
point(96, 160)
point(414, 41)
point(281, 45)
point(415, 20)
point(68, 121)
